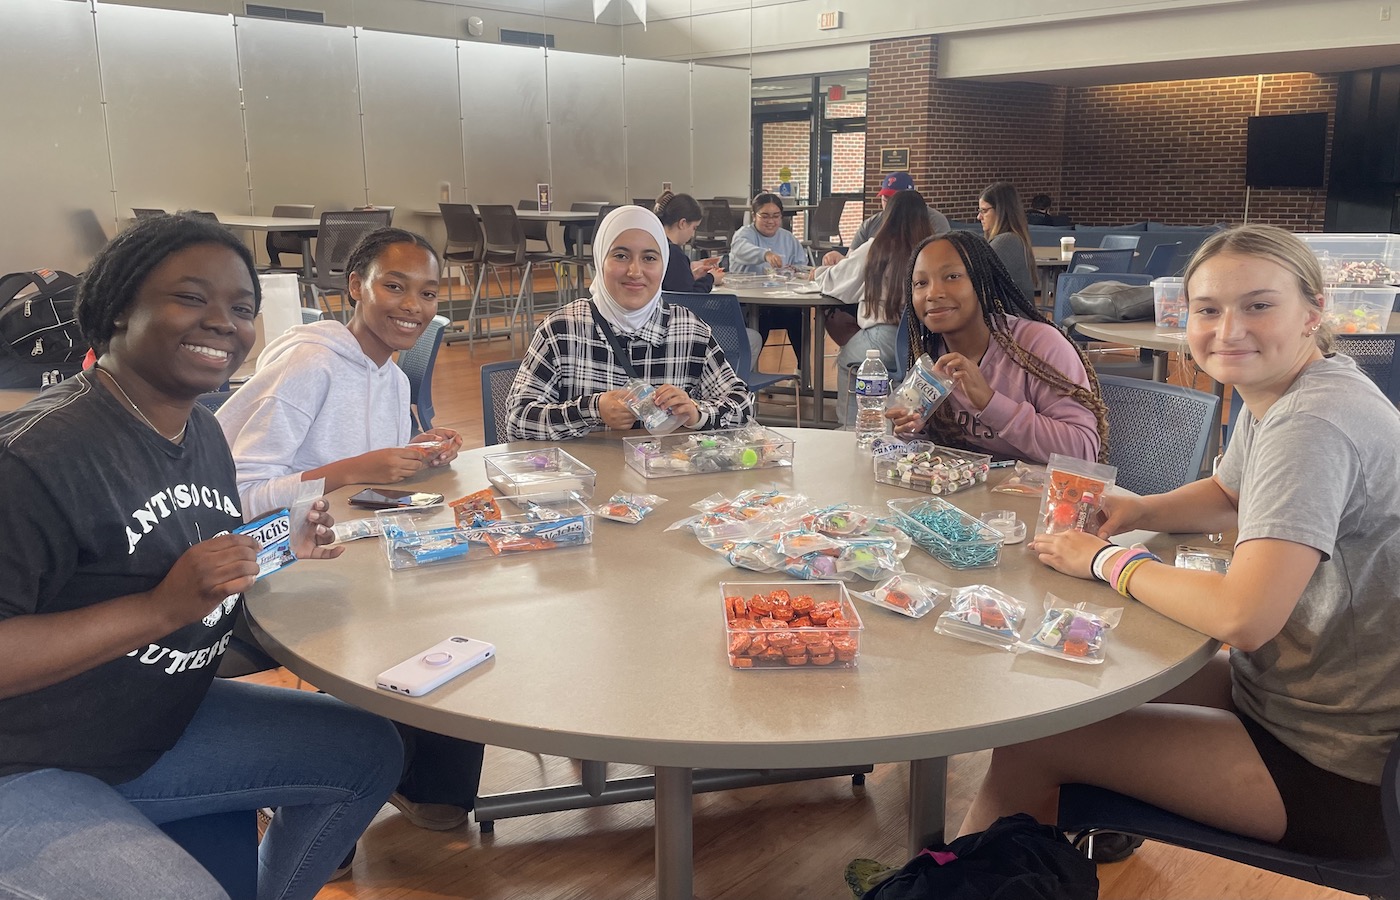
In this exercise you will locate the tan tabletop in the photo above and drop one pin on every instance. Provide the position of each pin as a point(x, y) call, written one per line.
point(303, 228)
point(816, 353)
point(616, 650)
point(13, 398)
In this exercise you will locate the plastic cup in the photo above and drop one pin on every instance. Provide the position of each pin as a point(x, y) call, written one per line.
point(1169, 302)
point(1066, 247)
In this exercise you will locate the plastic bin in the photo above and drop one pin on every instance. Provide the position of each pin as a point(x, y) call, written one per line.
point(755, 639)
point(1358, 310)
point(964, 542)
point(737, 449)
point(1169, 300)
point(430, 535)
point(545, 472)
point(931, 469)
point(1359, 259)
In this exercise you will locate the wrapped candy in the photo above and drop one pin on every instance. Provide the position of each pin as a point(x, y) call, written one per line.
point(982, 614)
point(628, 507)
point(908, 594)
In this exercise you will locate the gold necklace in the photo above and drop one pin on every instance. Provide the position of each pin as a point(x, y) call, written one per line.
point(132, 403)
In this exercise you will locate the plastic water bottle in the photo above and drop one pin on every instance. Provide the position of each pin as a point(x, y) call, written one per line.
point(872, 389)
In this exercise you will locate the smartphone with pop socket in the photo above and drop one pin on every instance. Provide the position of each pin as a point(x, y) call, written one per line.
point(387, 498)
point(424, 671)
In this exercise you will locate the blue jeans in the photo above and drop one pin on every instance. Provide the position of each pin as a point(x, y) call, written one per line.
point(327, 766)
point(877, 337)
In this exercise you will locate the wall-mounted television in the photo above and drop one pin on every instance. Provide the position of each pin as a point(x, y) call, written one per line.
point(1286, 151)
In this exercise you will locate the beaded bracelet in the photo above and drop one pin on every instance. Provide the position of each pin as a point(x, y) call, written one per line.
point(1105, 553)
point(1122, 561)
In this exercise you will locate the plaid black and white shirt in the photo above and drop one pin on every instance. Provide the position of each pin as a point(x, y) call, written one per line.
point(569, 363)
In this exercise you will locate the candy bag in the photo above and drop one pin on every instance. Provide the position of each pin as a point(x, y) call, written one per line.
point(1073, 631)
point(1026, 479)
point(628, 507)
point(907, 594)
point(984, 615)
point(1073, 496)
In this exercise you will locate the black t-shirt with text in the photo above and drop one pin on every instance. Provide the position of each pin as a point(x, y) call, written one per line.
point(97, 506)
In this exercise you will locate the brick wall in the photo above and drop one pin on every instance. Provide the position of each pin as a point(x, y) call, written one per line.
point(787, 144)
point(1169, 151)
point(1174, 151)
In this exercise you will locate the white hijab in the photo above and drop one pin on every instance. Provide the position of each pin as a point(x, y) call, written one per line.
point(625, 218)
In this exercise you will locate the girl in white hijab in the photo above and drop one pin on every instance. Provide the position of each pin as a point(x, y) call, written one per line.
point(620, 293)
point(570, 381)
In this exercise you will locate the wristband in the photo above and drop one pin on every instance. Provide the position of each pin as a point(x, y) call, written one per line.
point(1128, 571)
point(1104, 554)
point(1121, 561)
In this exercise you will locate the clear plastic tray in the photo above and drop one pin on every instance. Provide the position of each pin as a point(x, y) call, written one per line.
point(1360, 259)
point(932, 470)
point(972, 544)
point(430, 535)
point(692, 453)
point(545, 472)
point(1358, 310)
point(755, 640)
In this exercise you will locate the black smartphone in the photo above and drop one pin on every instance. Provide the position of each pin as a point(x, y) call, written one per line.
point(387, 498)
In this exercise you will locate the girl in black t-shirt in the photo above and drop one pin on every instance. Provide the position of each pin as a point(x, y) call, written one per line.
point(122, 583)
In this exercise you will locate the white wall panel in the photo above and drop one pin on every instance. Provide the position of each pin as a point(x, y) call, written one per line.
point(55, 182)
point(656, 109)
point(177, 142)
point(412, 121)
point(303, 114)
point(504, 116)
point(720, 100)
point(586, 140)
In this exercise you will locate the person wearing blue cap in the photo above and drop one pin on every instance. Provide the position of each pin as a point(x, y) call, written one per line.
point(893, 184)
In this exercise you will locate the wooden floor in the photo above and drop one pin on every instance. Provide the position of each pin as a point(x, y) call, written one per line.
point(782, 841)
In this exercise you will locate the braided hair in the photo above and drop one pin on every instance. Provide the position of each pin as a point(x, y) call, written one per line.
point(999, 298)
point(117, 273)
point(380, 239)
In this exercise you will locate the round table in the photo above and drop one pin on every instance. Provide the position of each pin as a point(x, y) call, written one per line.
point(616, 650)
point(12, 399)
point(809, 302)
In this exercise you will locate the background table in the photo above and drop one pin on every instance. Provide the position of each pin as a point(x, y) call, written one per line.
point(305, 229)
point(810, 304)
point(616, 650)
point(12, 399)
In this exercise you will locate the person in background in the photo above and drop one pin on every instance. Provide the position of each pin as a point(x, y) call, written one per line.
point(1039, 212)
point(1004, 225)
point(893, 184)
point(763, 244)
point(329, 402)
point(1021, 389)
point(872, 278)
point(680, 216)
point(122, 582)
point(570, 381)
point(1283, 737)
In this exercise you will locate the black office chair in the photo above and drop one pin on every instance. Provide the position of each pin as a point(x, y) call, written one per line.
point(465, 248)
point(148, 213)
point(716, 228)
point(824, 230)
point(339, 232)
point(1161, 262)
point(1086, 811)
point(496, 379)
point(1066, 286)
point(1084, 261)
point(279, 242)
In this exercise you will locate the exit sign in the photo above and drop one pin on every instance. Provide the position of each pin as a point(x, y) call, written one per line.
point(829, 20)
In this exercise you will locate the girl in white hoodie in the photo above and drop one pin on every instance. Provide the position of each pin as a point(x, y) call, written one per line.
point(328, 402)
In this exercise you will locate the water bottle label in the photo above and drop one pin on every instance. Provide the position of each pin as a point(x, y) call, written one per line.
point(872, 387)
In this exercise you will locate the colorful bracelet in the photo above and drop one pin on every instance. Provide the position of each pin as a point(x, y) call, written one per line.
point(1129, 570)
point(1121, 562)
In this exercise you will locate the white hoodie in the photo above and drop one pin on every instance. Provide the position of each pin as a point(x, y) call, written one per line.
point(316, 399)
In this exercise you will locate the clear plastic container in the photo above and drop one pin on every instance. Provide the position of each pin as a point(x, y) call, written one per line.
point(737, 449)
point(933, 469)
point(951, 536)
point(1169, 300)
point(790, 625)
point(1360, 259)
point(430, 535)
point(547, 471)
point(638, 397)
point(1358, 310)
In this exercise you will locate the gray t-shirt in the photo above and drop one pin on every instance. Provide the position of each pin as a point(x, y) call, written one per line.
point(1321, 470)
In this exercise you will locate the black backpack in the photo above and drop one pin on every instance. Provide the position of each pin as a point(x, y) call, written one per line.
point(38, 329)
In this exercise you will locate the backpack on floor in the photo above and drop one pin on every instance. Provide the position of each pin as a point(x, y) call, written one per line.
point(38, 328)
point(1015, 859)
